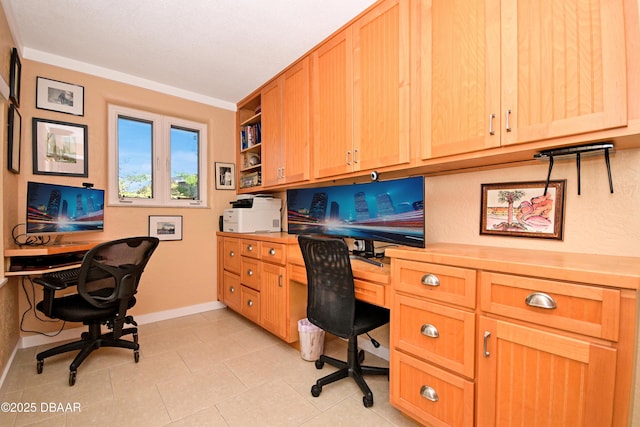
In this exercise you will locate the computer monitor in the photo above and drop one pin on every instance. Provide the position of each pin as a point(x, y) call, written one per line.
point(387, 211)
point(54, 209)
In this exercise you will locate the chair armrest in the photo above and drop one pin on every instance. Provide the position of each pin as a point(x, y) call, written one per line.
point(51, 283)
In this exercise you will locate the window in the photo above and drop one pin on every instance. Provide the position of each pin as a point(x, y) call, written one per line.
point(156, 160)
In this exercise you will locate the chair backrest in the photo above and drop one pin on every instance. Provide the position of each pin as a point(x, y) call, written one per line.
point(110, 272)
point(330, 290)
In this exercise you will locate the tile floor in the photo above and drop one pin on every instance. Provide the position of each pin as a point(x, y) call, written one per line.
point(208, 369)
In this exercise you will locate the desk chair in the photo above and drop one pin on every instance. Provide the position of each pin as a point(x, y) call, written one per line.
point(107, 282)
point(332, 306)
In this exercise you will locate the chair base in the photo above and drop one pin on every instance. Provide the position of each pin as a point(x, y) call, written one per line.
point(351, 368)
point(90, 341)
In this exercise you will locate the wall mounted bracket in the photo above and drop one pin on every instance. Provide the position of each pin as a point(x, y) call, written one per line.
point(578, 150)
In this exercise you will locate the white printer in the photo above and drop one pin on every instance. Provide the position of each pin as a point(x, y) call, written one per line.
point(251, 214)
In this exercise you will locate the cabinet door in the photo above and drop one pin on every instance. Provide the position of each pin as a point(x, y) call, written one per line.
point(274, 299)
point(272, 144)
point(563, 69)
point(381, 86)
point(457, 75)
point(532, 377)
point(295, 123)
point(332, 112)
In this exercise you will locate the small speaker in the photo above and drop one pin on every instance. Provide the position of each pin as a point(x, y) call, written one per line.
point(221, 223)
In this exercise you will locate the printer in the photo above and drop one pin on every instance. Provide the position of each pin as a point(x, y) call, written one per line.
point(251, 214)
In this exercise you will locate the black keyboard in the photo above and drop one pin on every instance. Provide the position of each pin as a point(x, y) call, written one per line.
point(69, 276)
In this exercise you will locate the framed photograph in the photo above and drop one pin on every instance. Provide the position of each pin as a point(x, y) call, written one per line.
point(59, 96)
point(165, 227)
point(59, 148)
point(225, 176)
point(14, 139)
point(521, 209)
point(15, 78)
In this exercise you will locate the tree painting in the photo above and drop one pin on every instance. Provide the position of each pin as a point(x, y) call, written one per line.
point(509, 197)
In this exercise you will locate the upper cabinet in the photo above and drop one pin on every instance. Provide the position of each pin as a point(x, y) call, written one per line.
point(490, 73)
point(361, 94)
point(285, 122)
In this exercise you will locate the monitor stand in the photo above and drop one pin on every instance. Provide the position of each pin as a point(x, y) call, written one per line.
point(365, 254)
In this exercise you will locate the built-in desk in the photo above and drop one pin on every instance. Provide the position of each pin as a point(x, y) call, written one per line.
point(33, 260)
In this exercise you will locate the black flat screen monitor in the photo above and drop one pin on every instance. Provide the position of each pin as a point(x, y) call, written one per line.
point(387, 211)
point(54, 209)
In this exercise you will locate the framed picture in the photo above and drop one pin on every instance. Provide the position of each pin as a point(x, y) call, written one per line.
point(15, 78)
point(14, 139)
point(59, 96)
point(59, 148)
point(165, 227)
point(522, 209)
point(225, 176)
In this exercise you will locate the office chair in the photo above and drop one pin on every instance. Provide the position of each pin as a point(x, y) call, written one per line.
point(107, 282)
point(332, 306)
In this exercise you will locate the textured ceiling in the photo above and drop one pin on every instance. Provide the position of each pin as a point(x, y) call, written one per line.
point(212, 51)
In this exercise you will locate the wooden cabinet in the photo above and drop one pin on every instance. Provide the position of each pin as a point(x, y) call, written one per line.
point(549, 341)
point(361, 91)
point(255, 283)
point(488, 73)
point(249, 158)
point(285, 121)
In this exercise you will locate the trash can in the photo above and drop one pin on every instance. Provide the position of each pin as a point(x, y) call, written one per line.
point(311, 340)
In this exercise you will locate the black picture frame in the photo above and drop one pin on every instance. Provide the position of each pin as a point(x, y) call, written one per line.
point(14, 139)
point(15, 78)
point(54, 95)
point(60, 148)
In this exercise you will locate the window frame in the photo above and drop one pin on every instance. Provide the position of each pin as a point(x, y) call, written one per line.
point(161, 155)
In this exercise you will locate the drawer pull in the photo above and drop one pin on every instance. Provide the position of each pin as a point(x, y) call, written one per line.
point(232, 254)
point(272, 251)
point(430, 280)
point(249, 272)
point(429, 393)
point(249, 303)
point(249, 248)
point(429, 331)
point(232, 289)
point(540, 300)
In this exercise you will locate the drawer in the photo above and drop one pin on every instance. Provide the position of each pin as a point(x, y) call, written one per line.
point(250, 248)
point(369, 292)
point(231, 254)
point(452, 285)
point(273, 252)
point(250, 304)
point(250, 273)
point(438, 334)
point(430, 395)
point(587, 310)
point(231, 291)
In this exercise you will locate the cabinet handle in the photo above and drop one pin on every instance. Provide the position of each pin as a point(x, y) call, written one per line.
point(485, 343)
point(249, 303)
point(280, 280)
point(272, 251)
point(429, 393)
point(249, 248)
point(491, 130)
point(540, 300)
point(232, 289)
point(348, 158)
point(249, 272)
point(429, 331)
point(232, 254)
point(430, 280)
point(507, 114)
point(355, 156)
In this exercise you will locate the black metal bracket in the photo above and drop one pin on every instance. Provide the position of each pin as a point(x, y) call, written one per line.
point(578, 151)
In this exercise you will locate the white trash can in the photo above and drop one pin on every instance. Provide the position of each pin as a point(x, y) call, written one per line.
point(311, 340)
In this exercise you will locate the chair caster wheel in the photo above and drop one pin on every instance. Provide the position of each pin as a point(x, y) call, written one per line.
point(316, 390)
point(361, 356)
point(72, 377)
point(40, 366)
point(319, 364)
point(136, 356)
point(367, 401)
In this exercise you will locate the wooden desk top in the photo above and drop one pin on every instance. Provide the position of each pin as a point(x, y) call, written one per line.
point(11, 254)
